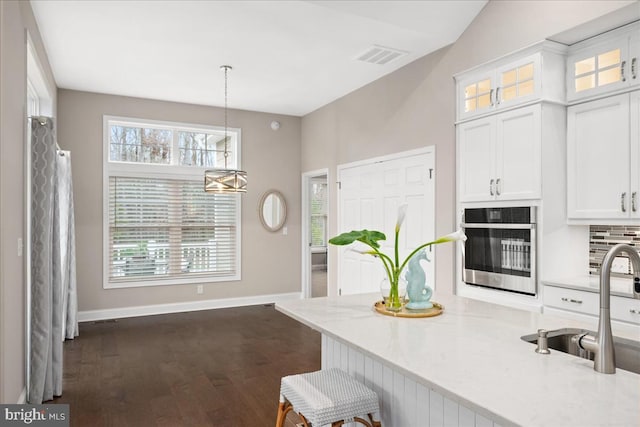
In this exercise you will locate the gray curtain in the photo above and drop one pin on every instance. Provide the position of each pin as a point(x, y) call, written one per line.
point(53, 292)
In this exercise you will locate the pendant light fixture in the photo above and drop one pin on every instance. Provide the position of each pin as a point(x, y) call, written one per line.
point(225, 180)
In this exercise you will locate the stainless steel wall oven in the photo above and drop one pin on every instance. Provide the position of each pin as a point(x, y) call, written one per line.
point(500, 251)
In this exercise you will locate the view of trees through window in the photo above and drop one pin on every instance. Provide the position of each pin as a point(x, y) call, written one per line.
point(318, 213)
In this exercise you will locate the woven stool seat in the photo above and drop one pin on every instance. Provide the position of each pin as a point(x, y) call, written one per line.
point(328, 396)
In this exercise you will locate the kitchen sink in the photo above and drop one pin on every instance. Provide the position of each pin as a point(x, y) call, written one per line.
point(627, 351)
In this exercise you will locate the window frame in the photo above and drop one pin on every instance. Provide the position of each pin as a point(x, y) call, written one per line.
point(171, 170)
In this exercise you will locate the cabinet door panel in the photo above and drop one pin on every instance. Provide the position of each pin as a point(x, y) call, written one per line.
point(598, 158)
point(519, 81)
point(597, 69)
point(476, 95)
point(476, 147)
point(634, 107)
point(518, 154)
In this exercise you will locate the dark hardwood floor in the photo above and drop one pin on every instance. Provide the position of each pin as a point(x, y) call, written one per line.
point(206, 368)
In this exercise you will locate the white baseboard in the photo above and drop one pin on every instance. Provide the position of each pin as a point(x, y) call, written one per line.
point(22, 399)
point(149, 310)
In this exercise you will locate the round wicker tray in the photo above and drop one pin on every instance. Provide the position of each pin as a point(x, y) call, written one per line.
point(436, 310)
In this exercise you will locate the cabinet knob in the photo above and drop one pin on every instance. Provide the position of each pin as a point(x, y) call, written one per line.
point(623, 203)
point(491, 187)
point(634, 196)
point(622, 76)
point(497, 95)
point(633, 311)
point(491, 97)
point(498, 187)
point(634, 70)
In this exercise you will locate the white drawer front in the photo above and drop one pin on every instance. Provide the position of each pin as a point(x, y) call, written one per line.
point(570, 299)
point(625, 309)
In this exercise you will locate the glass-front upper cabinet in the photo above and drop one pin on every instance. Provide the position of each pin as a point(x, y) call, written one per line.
point(605, 64)
point(511, 81)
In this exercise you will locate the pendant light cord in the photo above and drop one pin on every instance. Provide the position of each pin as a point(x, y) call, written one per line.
point(226, 153)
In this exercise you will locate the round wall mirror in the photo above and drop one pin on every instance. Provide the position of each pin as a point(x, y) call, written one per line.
point(272, 210)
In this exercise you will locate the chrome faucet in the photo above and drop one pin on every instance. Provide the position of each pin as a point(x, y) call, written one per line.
point(602, 344)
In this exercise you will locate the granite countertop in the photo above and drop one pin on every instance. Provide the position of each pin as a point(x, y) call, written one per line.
point(619, 286)
point(473, 353)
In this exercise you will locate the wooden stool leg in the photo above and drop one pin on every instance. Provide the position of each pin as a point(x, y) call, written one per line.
point(374, 423)
point(283, 409)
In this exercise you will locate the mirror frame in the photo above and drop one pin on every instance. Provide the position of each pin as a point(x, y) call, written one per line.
point(263, 199)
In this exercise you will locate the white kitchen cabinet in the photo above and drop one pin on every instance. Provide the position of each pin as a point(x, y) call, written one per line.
point(603, 157)
point(605, 64)
point(585, 302)
point(499, 156)
point(527, 76)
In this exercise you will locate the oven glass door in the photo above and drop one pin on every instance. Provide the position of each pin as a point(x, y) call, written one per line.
point(497, 250)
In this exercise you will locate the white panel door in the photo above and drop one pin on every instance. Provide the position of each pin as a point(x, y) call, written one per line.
point(369, 196)
point(598, 158)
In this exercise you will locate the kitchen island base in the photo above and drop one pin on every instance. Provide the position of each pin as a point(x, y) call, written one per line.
point(403, 401)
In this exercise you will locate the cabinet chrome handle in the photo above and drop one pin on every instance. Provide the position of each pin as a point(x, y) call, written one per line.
point(634, 196)
point(575, 301)
point(632, 311)
point(622, 76)
point(623, 203)
point(491, 98)
point(498, 96)
point(498, 187)
point(491, 187)
point(634, 70)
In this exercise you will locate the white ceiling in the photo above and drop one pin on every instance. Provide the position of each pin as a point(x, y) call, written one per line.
point(288, 57)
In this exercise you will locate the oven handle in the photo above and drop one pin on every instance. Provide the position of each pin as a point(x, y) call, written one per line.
point(500, 226)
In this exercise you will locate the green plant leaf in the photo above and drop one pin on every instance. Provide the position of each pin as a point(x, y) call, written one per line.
point(369, 237)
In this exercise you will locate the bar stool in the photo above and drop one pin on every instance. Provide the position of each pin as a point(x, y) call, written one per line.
point(328, 396)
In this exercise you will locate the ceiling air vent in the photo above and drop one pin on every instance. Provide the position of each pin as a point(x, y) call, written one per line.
point(380, 55)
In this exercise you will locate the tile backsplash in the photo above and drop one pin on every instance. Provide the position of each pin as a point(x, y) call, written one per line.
point(603, 237)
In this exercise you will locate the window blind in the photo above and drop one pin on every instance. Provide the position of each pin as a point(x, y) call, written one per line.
point(163, 229)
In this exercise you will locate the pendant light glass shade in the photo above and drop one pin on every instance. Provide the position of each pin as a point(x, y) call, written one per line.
point(225, 180)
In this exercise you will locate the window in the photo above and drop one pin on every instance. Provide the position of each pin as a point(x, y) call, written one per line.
point(318, 213)
point(160, 226)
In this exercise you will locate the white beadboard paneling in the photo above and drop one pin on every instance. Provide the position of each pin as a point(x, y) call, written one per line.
point(450, 413)
point(398, 413)
point(436, 405)
point(482, 421)
point(422, 398)
point(410, 403)
point(466, 417)
point(403, 401)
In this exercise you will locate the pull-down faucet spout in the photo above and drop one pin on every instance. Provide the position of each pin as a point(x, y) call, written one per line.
point(602, 344)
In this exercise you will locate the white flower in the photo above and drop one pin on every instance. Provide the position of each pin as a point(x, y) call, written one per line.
point(452, 237)
point(402, 212)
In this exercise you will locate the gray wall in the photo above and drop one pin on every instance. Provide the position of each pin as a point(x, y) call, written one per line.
point(415, 106)
point(270, 261)
point(16, 20)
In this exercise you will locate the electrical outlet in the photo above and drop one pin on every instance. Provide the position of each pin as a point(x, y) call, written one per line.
point(200, 289)
point(620, 265)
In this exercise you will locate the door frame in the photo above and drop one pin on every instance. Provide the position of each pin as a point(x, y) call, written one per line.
point(306, 228)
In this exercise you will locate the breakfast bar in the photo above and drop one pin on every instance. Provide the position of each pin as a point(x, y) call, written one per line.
point(469, 365)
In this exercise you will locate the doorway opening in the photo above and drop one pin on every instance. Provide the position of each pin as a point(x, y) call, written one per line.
point(315, 209)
